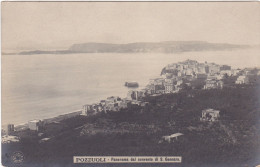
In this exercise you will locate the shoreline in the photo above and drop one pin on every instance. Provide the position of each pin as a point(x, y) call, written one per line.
point(57, 118)
point(70, 114)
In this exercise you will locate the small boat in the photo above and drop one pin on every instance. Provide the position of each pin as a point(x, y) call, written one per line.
point(131, 84)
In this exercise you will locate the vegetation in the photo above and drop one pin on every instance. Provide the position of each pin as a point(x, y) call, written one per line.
point(234, 140)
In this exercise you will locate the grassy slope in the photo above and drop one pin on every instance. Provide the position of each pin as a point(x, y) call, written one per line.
point(136, 131)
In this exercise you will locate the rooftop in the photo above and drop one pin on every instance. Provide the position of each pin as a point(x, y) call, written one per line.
point(35, 121)
point(176, 135)
point(211, 110)
point(45, 139)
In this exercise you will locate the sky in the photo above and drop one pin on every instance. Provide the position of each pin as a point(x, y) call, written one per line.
point(58, 25)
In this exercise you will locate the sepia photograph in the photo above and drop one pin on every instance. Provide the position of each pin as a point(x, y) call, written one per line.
point(140, 84)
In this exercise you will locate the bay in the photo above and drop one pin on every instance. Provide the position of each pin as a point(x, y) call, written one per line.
point(44, 86)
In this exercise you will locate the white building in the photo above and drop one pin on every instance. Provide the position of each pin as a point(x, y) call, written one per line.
point(85, 109)
point(243, 79)
point(8, 129)
point(210, 115)
point(9, 139)
point(172, 138)
point(213, 84)
point(34, 125)
point(179, 74)
point(44, 140)
point(169, 85)
point(179, 82)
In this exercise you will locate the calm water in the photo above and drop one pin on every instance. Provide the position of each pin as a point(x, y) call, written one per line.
point(43, 86)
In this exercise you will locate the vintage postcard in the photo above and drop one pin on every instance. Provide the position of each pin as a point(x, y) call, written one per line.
point(130, 84)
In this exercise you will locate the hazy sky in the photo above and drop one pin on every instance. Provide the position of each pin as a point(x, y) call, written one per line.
point(57, 25)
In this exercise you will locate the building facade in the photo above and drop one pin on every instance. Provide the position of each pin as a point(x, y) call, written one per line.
point(34, 125)
point(243, 79)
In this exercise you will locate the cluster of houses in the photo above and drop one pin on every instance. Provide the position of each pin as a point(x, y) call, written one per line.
point(188, 72)
point(9, 139)
point(174, 77)
point(115, 103)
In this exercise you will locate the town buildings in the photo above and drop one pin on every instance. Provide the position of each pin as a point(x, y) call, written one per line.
point(169, 85)
point(135, 94)
point(182, 74)
point(243, 79)
point(9, 139)
point(192, 73)
point(89, 109)
point(177, 76)
point(174, 77)
point(213, 84)
point(156, 86)
point(113, 103)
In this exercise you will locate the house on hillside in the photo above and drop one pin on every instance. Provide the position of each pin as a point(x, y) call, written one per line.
point(171, 138)
point(44, 140)
point(210, 115)
point(34, 125)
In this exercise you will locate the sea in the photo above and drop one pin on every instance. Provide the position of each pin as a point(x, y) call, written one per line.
point(47, 85)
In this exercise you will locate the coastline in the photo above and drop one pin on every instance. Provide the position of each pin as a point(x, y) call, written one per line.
point(50, 104)
point(57, 118)
point(51, 119)
point(78, 111)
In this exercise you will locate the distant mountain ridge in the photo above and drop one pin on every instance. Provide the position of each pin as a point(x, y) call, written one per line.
point(143, 47)
point(165, 47)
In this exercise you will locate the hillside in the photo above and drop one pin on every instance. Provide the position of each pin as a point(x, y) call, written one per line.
point(231, 141)
point(165, 47)
point(142, 47)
